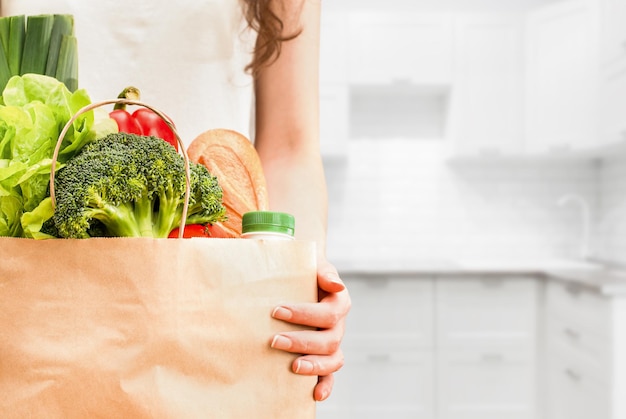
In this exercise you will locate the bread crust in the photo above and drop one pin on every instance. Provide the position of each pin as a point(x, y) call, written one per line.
point(232, 158)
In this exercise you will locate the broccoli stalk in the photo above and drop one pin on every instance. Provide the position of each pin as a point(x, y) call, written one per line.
point(125, 185)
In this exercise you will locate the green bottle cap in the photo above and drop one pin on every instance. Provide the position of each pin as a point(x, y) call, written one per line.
point(268, 221)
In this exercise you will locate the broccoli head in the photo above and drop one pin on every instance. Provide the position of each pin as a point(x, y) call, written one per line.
point(126, 185)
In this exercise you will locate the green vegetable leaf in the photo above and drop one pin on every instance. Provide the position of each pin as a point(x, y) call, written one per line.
point(34, 108)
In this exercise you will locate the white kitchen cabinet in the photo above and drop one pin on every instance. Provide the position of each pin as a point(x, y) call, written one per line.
point(486, 383)
point(612, 100)
point(585, 346)
point(562, 72)
point(485, 310)
point(333, 47)
point(334, 93)
point(334, 111)
point(576, 391)
point(391, 311)
point(389, 347)
point(406, 46)
point(486, 347)
point(378, 383)
point(487, 102)
point(613, 31)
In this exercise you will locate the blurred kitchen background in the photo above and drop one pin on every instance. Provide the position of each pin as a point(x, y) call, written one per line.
point(476, 160)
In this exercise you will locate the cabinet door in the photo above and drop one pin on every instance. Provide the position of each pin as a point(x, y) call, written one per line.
point(612, 104)
point(486, 310)
point(580, 307)
point(333, 120)
point(375, 383)
point(333, 47)
point(487, 103)
point(388, 46)
point(613, 35)
point(486, 383)
point(561, 102)
point(390, 311)
point(575, 389)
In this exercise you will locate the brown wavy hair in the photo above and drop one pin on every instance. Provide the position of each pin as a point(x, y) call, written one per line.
point(264, 16)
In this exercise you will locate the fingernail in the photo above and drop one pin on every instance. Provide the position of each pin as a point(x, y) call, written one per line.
point(282, 313)
point(334, 278)
point(304, 367)
point(281, 342)
point(324, 395)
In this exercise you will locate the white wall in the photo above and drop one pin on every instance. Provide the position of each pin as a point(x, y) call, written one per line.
point(397, 201)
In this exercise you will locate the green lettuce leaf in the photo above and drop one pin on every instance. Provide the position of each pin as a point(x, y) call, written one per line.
point(33, 110)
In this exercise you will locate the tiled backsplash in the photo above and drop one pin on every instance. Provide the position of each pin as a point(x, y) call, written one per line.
point(399, 200)
point(611, 222)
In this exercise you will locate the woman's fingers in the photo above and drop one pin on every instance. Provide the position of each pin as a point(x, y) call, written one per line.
point(328, 279)
point(324, 387)
point(332, 309)
point(320, 345)
point(314, 342)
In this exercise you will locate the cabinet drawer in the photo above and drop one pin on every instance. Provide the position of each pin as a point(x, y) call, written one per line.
point(580, 307)
point(375, 384)
point(389, 310)
point(587, 344)
point(491, 289)
point(575, 388)
point(486, 383)
point(490, 309)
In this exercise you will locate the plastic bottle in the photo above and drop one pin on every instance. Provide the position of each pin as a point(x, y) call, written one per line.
point(268, 225)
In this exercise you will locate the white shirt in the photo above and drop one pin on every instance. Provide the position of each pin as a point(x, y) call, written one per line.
point(187, 57)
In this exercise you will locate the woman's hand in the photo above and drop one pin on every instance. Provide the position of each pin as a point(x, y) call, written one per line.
point(323, 355)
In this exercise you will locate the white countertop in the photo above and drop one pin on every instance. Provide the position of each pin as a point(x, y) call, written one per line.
point(606, 280)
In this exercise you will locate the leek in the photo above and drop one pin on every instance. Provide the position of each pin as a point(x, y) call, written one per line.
point(16, 43)
point(5, 71)
point(36, 44)
point(40, 44)
point(63, 26)
point(67, 68)
point(5, 31)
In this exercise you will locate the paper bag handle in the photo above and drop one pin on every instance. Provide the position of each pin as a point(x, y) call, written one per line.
point(164, 117)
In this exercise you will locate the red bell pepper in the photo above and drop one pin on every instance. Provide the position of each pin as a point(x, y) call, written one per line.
point(191, 230)
point(143, 121)
point(202, 230)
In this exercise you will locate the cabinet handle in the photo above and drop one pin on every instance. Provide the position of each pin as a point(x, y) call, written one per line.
point(572, 334)
point(573, 289)
point(492, 358)
point(402, 81)
point(573, 375)
point(378, 282)
point(379, 358)
point(492, 282)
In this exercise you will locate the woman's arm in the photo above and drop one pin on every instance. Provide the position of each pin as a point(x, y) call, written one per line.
point(287, 140)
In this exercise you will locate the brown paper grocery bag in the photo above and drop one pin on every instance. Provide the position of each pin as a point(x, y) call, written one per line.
point(150, 328)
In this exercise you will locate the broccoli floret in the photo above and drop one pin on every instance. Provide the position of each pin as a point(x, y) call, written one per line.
point(126, 185)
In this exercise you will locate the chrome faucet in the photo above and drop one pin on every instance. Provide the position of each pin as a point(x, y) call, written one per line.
point(586, 220)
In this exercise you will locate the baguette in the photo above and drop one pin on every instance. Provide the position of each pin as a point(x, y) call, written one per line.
point(231, 157)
